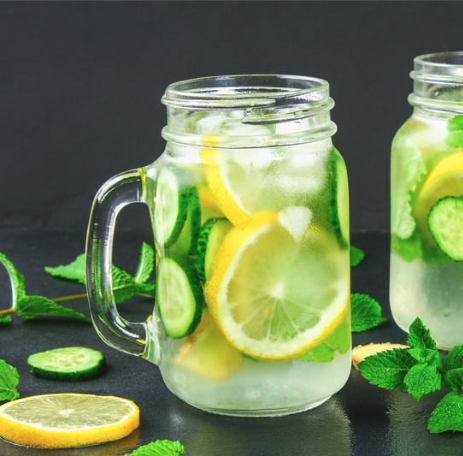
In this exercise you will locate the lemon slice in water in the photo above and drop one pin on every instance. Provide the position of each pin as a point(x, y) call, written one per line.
point(67, 420)
point(273, 297)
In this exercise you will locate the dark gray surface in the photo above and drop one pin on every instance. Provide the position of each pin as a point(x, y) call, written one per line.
point(360, 420)
point(81, 82)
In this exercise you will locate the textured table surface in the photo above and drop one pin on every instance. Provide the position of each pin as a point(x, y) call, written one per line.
point(359, 420)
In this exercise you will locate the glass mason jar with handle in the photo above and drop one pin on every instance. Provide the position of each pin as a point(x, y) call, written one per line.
point(249, 208)
point(426, 270)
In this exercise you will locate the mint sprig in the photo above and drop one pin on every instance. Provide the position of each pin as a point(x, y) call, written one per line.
point(366, 312)
point(356, 256)
point(9, 380)
point(125, 286)
point(420, 370)
point(159, 448)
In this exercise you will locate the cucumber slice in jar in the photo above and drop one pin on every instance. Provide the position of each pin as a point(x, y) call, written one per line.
point(339, 200)
point(171, 206)
point(179, 296)
point(67, 363)
point(445, 223)
point(210, 238)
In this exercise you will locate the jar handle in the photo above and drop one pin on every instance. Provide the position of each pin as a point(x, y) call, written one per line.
point(133, 338)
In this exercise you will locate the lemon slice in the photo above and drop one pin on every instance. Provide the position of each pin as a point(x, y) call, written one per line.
point(67, 420)
point(243, 183)
point(446, 179)
point(273, 297)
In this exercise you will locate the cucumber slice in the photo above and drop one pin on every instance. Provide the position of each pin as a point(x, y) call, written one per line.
point(171, 206)
point(445, 223)
point(67, 363)
point(210, 238)
point(179, 296)
point(339, 200)
point(187, 241)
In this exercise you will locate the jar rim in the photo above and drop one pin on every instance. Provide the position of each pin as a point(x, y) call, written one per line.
point(438, 65)
point(245, 90)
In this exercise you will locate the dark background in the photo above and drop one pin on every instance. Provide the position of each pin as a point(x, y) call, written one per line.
point(81, 82)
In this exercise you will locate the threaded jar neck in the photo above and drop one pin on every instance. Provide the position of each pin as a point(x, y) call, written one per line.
point(438, 82)
point(288, 109)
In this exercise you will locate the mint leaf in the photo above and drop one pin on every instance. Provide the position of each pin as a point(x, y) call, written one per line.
point(72, 271)
point(453, 368)
point(356, 256)
point(419, 336)
point(388, 369)
point(9, 380)
point(37, 306)
point(18, 285)
point(365, 312)
point(5, 320)
point(320, 354)
point(426, 356)
point(159, 448)
point(455, 128)
point(423, 379)
point(145, 264)
point(448, 414)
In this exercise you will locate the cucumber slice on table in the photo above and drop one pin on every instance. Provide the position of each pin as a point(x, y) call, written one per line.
point(210, 238)
point(445, 223)
point(67, 363)
point(171, 206)
point(179, 296)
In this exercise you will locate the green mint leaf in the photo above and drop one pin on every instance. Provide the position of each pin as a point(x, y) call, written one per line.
point(455, 123)
point(18, 285)
point(453, 368)
point(147, 289)
point(9, 380)
point(72, 271)
point(455, 128)
point(388, 369)
point(423, 379)
point(320, 354)
point(426, 356)
point(30, 307)
point(365, 312)
point(159, 448)
point(448, 414)
point(5, 320)
point(145, 264)
point(356, 256)
point(419, 336)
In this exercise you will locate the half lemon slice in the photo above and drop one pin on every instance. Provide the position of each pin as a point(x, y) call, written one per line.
point(67, 420)
point(273, 296)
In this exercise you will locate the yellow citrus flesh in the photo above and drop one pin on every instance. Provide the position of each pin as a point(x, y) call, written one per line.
point(446, 179)
point(275, 298)
point(67, 420)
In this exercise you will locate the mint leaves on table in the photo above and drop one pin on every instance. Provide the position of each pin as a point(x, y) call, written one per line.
point(420, 370)
point(9, 380)
point(356, 256)
point(365, 312)
point(125, 286)
point(159, 448)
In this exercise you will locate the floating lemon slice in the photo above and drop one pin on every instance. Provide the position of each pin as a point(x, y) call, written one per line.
point(67, 420)
point(244, 183)
point(446, 179)
point(273, 297)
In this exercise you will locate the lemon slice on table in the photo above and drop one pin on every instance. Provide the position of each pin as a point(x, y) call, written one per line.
point(67, 420)
point(272, 296)
point(243, 183)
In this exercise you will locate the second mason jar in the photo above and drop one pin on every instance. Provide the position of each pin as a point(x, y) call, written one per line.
point(426, 271)
point(249, 204)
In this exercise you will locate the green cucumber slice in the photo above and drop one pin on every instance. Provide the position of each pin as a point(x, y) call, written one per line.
point(210, 238)
point(445, 223)
point(67, 363)
point(179, 296)
point(339, 200)
point(187, 240)
point(171, 206)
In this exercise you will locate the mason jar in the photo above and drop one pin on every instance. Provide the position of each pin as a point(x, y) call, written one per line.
point(426, 268)
point(250, 216)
